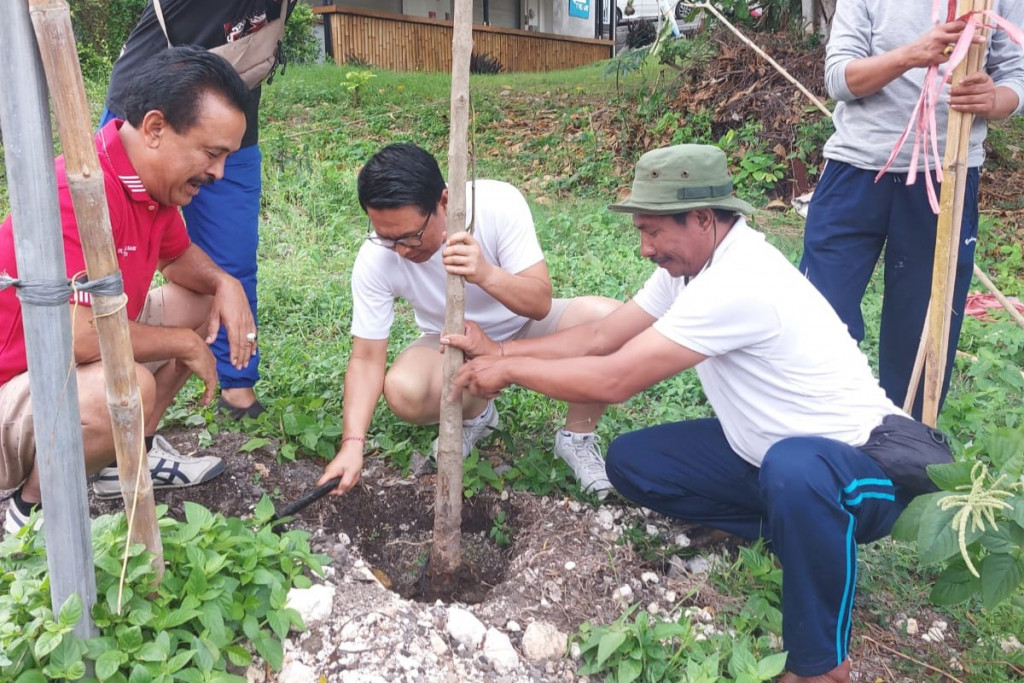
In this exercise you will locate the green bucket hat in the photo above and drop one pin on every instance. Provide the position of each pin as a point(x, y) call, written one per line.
point(682, 178)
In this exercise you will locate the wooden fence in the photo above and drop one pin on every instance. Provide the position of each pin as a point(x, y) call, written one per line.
point(405, 43)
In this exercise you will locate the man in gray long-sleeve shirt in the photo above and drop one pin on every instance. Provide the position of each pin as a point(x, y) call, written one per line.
point(876, 62)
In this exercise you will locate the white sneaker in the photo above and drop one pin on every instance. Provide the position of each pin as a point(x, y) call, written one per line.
point(583, 454)
point(14, 520)
point(167, 467)
point(474, 431)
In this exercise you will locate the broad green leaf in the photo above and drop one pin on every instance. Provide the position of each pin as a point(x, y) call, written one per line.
point(197, 514)
point(1017, 513)
point(178, 661)
point(270, 649)
point(31, 676)
point(109, 662)
point(948, 476)
point(66, 659)
point(46, 643)
point(955, 585)
point(129, 639)
point(254, 444)
point(742, 662)
point(1001, 575)
point(151, 652)
point(264, 510)
point(140, 674)
point(908, 523)
point(71, 610)
point(629, 670)
point(610, 642)
point(771, 666)
point(1006, 538)
point(239, 656)
point(1005, 450)
point(936, 538)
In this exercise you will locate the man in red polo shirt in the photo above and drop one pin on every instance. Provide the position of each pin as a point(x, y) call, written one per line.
point(184, 115)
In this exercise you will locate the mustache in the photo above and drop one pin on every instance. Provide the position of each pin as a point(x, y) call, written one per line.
point(202, 180)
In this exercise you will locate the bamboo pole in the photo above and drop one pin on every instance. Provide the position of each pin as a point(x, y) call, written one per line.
point(947, 235)
point(38, 247)
point(52, 21)
point(446, 551)
point(1000, 297)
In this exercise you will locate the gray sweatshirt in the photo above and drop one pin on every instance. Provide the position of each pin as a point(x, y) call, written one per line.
point(867, 128)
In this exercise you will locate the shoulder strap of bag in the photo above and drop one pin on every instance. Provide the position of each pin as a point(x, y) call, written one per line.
point(160, 18)
point(163, 24)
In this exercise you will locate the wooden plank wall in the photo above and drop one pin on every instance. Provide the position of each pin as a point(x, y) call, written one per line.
point(403, 43)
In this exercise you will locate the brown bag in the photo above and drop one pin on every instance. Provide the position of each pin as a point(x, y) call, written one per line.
point(255, 55)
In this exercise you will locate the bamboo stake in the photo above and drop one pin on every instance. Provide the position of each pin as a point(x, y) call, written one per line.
point(446, 551)
point(947, 235)
point(52, 22)
point(1000, 297)
point(38, 250)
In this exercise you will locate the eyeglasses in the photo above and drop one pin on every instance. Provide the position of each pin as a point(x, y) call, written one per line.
point(411, 241)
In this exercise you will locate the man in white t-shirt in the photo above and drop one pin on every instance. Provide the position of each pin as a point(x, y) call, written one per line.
point(408, 253)
point(797, 407)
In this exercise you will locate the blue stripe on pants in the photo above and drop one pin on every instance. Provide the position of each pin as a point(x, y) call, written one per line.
point(813, 500)
point(851, 218)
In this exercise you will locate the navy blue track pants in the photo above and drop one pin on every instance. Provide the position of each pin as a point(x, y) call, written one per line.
point(851, 218)
point(813, 499)
point(223, 221)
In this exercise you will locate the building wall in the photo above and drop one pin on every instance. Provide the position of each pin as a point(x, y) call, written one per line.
point(565, 25)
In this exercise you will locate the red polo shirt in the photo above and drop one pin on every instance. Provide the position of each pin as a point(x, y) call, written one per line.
point(144, 233)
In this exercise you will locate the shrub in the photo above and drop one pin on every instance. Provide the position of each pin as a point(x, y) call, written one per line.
point(300, 45)
point(101, 27)
point(222, 598)
point(484, 63)
point(640, 33)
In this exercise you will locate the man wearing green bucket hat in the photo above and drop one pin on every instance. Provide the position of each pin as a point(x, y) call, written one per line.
point(797, 409)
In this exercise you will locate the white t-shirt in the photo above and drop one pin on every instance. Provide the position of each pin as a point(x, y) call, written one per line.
point(780, 362)
point(504, 229)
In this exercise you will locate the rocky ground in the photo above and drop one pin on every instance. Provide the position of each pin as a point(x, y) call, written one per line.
point(567, 563)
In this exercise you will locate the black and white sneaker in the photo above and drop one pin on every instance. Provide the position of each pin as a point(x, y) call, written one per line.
point(167, 467)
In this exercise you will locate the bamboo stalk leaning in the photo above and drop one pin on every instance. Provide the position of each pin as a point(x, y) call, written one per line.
point(947, 237)
point(52, 22)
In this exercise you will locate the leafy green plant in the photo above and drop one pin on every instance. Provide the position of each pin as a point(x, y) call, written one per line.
point(642, 648)
point(221, 600)
point(651, 650)
point(101, 27)
point(299, 44)
point(501, 531)
point(356, 81)
point(974, 526)
point(477, 474)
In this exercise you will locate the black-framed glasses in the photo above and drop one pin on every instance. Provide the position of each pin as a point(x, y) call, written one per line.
point(411, 240)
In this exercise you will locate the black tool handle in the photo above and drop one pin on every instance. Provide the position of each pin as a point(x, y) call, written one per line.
point(311, 497)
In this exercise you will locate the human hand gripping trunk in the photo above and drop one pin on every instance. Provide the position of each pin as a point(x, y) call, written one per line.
point(473, 343)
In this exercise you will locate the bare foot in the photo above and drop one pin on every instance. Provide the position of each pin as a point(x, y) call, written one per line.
point(840, 674)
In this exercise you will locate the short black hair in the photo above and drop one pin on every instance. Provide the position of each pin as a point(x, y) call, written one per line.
point(174, 82)
point(400, 175)
point(720, 215)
